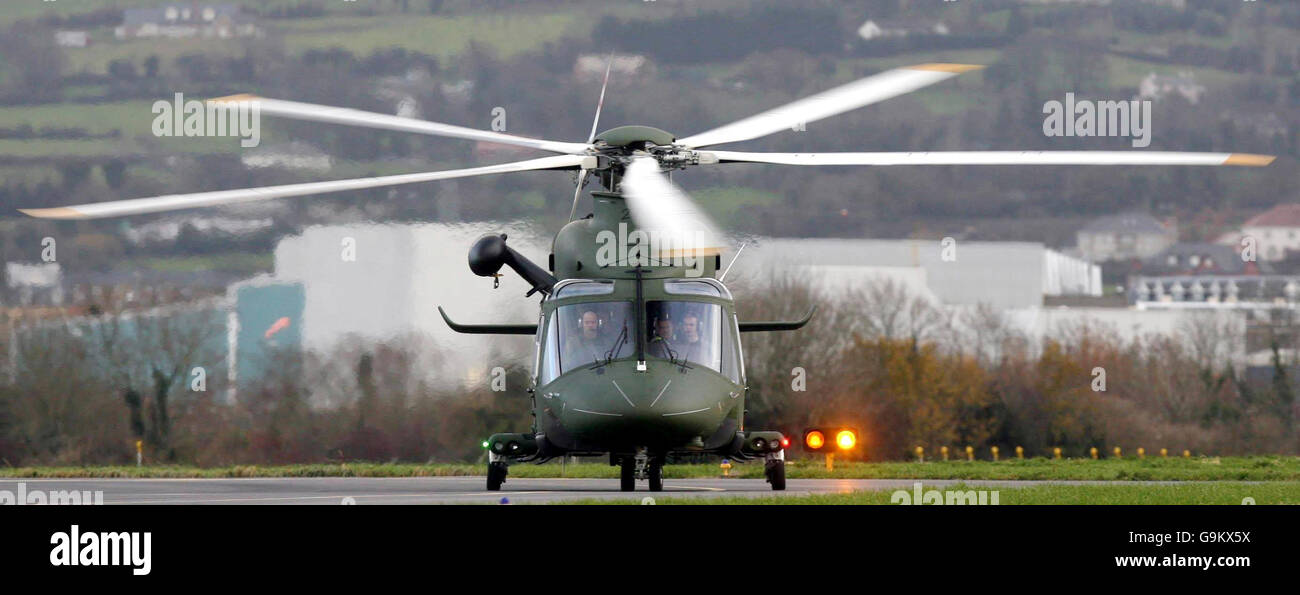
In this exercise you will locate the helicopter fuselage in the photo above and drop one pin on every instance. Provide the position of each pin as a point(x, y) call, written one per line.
point(660, 368)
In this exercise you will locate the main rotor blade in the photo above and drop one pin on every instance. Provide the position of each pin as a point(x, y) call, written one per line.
point(582, 173)
point(661, 209)
point(992, 158)
point(856, 94)
point(577, 192)
point(601, 102)
point(353, 117)
point(227, 197)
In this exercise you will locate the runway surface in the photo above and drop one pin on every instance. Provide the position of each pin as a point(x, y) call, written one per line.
point(449, 490)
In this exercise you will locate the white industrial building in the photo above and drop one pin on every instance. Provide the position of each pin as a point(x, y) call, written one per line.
point(1012, 277)
point(999, 274)
point(400, 275)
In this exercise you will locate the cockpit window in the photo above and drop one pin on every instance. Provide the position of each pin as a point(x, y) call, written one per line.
point(593, 332)
point(688, 332)
point(585, 288)
point(691, 287)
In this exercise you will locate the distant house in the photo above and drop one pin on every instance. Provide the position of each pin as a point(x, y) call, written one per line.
point(1124, 237)
point(1156, 87)
point(592, 66)
point(459, 92)
point(71, 39)
point(34, 283)
point(1275, 231)
point(293, 155)
point(185, 20)
point(873, 29)
point(169, 228)
point(402, 91)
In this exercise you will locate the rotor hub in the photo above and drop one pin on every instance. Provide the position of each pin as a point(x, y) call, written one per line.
point(635, 137)
point(618, 147)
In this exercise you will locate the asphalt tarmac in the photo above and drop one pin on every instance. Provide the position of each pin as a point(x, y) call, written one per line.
point(442, 490)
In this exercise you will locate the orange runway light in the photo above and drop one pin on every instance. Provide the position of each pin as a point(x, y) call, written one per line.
point(814, 439)
point(846, 439)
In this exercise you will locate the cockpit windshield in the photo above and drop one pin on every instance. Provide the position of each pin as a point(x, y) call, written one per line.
point(693, 334)
point(689, 332)
point(594, 332)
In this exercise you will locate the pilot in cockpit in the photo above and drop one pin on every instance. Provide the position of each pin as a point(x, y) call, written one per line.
point(690, 347)
point(586, 346)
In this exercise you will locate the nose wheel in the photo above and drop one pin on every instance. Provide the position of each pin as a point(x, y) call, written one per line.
point(774, 470)
point(641, 466)
point(627, 475)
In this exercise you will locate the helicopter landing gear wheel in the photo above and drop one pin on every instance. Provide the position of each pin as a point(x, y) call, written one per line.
point(656, 476)
point(496, 475)
point(774, 470)
point(627, 476)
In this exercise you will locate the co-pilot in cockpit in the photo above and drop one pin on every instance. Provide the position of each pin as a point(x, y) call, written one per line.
point(688, 332)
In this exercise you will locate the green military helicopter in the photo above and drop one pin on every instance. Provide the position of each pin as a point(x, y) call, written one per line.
point(638, 346)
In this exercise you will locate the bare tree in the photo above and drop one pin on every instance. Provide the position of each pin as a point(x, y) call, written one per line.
point(56, 399)
point(1212, 338)
point(989, 333)
point(148, 354)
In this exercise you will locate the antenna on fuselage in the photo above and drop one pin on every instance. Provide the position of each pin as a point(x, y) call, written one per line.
point(733, 261)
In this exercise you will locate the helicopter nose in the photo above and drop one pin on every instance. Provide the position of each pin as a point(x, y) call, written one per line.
point(622, 406)
point(666, 404)
point(639, 399)
point(642, 395)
